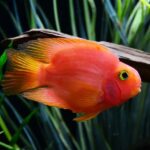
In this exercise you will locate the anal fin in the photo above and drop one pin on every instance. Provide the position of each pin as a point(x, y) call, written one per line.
point(46, 96)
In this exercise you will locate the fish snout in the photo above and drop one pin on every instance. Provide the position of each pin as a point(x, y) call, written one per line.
point(137, 89)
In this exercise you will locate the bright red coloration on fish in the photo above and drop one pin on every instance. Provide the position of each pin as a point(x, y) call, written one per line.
point(73, 74)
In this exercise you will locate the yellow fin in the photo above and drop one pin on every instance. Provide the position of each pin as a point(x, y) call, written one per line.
point(86, 117)
point(46, 96)
point(21, 73)
point(44, 48)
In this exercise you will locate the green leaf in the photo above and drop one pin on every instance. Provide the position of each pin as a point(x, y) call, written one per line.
point(3, 59)
point(8, 147)
point(113, 16)
point(14, 20)
point(56, 15)
point(35, 19)
point(26, 120)
point(5, 129)
point(146, 3)
point(119, 8)
point(72, 18)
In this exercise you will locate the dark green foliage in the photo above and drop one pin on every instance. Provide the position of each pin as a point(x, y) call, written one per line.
point(28, 125)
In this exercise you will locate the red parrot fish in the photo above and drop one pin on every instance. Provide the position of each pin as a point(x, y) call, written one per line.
point(70, 73)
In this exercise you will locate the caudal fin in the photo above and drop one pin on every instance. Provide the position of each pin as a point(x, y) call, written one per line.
point(21, 73)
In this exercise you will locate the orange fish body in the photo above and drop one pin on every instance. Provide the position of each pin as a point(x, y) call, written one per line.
point(73, 74)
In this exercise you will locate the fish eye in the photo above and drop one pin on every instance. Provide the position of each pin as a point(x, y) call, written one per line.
point(123, 75)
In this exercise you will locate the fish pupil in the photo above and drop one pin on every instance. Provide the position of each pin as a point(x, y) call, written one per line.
point(123, 75)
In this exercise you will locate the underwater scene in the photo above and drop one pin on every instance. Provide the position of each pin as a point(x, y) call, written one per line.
point(74, 75)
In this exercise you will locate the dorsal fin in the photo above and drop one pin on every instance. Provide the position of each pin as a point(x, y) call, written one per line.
point(43, 49)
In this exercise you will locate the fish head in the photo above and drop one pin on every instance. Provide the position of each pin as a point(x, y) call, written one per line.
point(123, 83)
point(128, 81)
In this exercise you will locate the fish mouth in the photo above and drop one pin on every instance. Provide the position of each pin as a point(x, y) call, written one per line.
point(139, 90)
point(138, 86)
point(136, 92)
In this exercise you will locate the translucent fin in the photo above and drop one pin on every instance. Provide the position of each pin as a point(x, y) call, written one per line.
point(43, 49)
point(46, 96)
point(21, 73)
point(15, 82)
point(86, 117)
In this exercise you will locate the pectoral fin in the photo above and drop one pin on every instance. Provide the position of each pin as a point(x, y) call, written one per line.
point(86, 116)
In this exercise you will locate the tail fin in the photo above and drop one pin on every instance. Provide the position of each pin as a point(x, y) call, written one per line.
point(21, 73)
